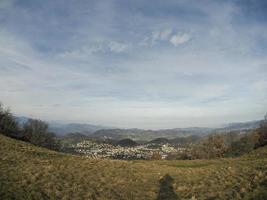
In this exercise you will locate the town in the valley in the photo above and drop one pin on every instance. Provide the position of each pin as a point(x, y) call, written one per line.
point(143, 151)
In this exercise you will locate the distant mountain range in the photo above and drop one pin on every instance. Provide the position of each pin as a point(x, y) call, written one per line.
point(146, 135)
point(102, 132)
point(64, 128)
point(243, 125)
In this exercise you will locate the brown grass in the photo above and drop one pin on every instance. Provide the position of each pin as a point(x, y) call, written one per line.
point(29, 172)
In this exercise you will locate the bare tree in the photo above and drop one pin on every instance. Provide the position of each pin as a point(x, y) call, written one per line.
point(8, 124)
point(36, 132)
point(263, 133)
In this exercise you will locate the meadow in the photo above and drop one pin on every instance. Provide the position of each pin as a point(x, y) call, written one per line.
point(30, 172)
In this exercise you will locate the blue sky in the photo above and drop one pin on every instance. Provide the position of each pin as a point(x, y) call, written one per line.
point(135, 63)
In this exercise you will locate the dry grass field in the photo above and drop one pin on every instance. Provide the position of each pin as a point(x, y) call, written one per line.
point(30, 172)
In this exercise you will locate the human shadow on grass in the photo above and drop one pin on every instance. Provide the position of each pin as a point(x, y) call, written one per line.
point(166, 191)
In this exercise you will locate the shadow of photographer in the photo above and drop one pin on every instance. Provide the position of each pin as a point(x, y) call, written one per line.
point(166, 191)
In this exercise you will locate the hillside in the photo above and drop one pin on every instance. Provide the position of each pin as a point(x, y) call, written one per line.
point(29, 172)
point(243, 125)
point(126, 143)
point(146, 135)
point(62, 129)
point(65, 128)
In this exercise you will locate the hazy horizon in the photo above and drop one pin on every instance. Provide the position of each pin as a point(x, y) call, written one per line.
point(106, 126)
point(135, 64)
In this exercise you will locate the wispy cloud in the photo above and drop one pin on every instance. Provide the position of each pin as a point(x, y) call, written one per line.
point(168, 35)
point(180, 39)
point(133, 65)
point(161, 35)
point(95, 48)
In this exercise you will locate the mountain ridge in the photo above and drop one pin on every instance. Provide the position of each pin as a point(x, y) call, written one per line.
point(104, 132)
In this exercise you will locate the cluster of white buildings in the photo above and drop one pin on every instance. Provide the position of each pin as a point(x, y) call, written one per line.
point(101, 150)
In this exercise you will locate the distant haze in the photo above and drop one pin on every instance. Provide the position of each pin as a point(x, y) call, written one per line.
point(144, 64)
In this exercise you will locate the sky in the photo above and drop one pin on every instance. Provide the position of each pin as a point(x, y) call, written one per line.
point(137, 63)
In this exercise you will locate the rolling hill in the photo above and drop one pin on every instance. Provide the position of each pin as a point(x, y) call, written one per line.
point(30, 172)
point(104, 132)
point(146, 135)
point(61, 128)
point(126, 143)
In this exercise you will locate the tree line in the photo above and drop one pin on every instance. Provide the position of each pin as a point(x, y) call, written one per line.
point(229, 144)
point(33, 130)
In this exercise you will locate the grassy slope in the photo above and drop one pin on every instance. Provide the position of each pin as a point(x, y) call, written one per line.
point(29, 172)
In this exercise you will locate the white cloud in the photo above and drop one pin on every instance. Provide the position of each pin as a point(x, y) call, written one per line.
point(161, 35)
point(117, 47)
point(97, 47)
point(207, 83)
point(168, 35)
point(180, 39)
